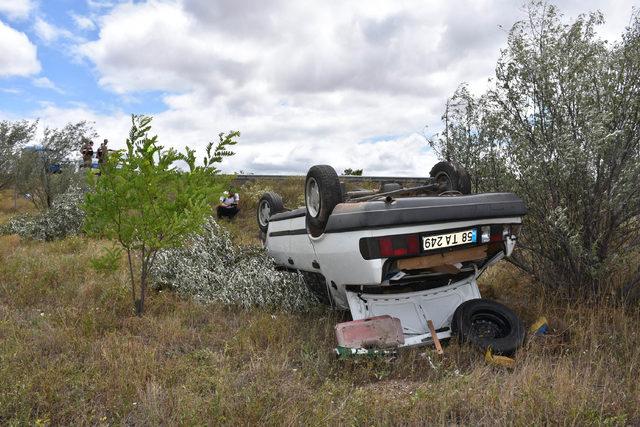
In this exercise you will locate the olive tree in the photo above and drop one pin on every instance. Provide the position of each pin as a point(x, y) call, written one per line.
point(146, 203)
point(13, 136)
point(560, 126)
point(44, 170)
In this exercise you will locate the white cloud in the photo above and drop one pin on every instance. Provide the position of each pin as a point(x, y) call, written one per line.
point(16, 9)
point(84, 23)
point(11, 91)
point(19, 55)
point(48, 32)
point(101, 4)
point(113, 125)
point(306, 83)
point(45, 83)
point(302, 87)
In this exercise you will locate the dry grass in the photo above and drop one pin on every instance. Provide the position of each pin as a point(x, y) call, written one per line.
point(73, 353)
point(9, 206)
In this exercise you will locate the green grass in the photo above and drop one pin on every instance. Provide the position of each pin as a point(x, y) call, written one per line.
point(72, 352)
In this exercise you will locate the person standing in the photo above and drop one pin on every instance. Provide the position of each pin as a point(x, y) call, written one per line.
point(87, 153)
point(103, 153)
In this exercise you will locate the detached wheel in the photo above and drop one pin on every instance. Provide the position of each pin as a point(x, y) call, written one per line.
point(484, 323)
point(322, 192)
point(270, 203)
point(451, 177)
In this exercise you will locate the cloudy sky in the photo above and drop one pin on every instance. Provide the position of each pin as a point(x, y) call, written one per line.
point(349, 83)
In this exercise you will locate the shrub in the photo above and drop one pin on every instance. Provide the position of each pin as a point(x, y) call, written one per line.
point(560, 128)
point(251, 192)
point(210, 268)
point(65, 218)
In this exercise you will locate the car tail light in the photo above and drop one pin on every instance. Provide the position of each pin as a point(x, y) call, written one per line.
point(394, 246)
point(406, 245)
point(412, 245)
point(386, 246)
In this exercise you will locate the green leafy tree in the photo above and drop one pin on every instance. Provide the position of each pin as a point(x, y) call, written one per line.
point(559, 126)
point(146, 203)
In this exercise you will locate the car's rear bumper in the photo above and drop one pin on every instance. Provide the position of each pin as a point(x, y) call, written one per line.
point(415, 309)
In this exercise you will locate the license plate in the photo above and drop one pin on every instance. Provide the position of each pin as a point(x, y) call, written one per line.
point(449, 239)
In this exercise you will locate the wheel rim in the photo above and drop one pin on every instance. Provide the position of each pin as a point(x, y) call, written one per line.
point(312, 197)
point(489, 325)
point(264, 211)
point(444, 181)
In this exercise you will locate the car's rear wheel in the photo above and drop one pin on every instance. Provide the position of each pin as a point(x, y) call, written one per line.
point(322, 192)
point(488, 324)
point(451, 177)
point(270, 203)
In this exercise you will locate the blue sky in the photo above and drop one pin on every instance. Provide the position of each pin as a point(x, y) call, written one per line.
point(73, 80)
point(352, 84)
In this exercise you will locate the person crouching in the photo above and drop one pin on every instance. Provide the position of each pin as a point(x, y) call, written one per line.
point(228, 206)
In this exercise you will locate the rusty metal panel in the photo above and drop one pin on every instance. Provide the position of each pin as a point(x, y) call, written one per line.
point(429, 261)
point(380, 331)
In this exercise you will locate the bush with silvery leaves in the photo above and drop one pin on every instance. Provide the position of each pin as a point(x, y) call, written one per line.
point(210, 268)
point(64, 218)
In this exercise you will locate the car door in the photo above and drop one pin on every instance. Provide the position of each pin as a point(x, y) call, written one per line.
point(301, 254)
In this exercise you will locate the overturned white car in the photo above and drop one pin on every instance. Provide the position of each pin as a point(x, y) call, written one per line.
point(411, 253)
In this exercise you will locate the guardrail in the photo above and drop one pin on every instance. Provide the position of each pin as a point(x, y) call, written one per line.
point(244, 178)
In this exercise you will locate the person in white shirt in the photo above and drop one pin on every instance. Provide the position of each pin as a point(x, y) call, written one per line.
point(228, 206)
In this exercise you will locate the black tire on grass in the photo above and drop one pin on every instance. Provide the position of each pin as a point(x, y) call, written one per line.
point(487, 324)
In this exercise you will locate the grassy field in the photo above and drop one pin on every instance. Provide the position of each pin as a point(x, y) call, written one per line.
point(71, 352)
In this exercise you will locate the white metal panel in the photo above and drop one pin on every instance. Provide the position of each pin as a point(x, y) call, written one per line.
point(415, 308)
point(300, 247)
point(278, 246)
point(341, 261)
point(406, 229)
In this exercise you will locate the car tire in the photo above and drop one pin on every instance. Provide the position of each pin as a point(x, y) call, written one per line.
point(322, 192)
point(487, 324)
point(452, 176)
point(270, 203)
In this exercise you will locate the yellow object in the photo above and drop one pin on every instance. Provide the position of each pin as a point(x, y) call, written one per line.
point(540, 326)
point(505, 361)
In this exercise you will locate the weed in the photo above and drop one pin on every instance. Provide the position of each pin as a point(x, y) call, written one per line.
point(108, 262)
